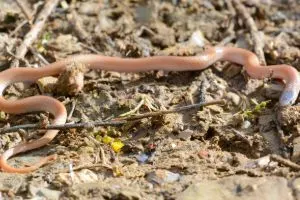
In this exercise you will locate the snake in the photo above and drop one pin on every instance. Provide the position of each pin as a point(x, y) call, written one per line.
point(288, 74)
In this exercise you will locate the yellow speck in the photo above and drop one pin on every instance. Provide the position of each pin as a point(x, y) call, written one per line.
point(107, 140)
point(117, 146)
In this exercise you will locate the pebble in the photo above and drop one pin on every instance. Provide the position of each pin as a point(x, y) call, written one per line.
point(83, 176)
point(47, 84)
point(142, 158)
point(197, 38)
point(236, 99)
point(44, 193)
point(246, 124)
point(261, 163)
point(162, 176)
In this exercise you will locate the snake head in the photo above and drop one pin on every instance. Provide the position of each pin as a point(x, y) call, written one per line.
point(288, 97)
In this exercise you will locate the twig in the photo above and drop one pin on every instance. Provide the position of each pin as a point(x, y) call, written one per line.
point(62, 126)
point(38, 56)
point(11, 34)
point(87, 166)
point(25, 10)
point(73, 103)
point(13, 55)
point(113, 122)
point(242, 137)
point(230, 7)
point(80, 32)
point(32, 35)
point(285, 162)
point(91, 48)
point(256, 36)
point(90, 166)
point(175, 110)
point(75, 21)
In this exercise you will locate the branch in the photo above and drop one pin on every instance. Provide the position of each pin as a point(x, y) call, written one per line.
point(32, 35)
point(285, 162)
point(26, 11)
point(113, 122)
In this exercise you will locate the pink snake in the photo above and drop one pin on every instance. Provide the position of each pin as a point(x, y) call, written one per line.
point(168, 63)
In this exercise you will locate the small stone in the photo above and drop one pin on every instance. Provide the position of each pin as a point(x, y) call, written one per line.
point(185, 135)
point(71, 81)
point(197, 38)
point(47, 84)
point(236, 99)
point(261, 163)
point(44, 193)
point(203, 154)
point(83, 176)
point(246, 124)
point(289, 117)
point(162, 176)
point(142, 157)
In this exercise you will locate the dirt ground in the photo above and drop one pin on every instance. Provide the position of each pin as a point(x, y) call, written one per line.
point(247, 147)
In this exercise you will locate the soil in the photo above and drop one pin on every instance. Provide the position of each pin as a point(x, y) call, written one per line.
point(215, 148)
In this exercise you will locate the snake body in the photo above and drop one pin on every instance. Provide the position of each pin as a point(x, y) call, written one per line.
point(168, 63)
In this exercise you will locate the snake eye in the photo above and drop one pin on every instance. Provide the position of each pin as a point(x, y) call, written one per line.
point(287, 98)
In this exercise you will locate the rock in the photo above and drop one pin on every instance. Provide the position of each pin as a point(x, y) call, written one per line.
point(296, 187)
point(11, 182)
point(47, 84)
point(197, 38)
point(71, 81)
point(185, 135)
point(246, 124)
point(44, 193)
point(162, 176)
point(102, 190)
point(83, 176)
point(237, 188)
point(261, 163)
point(289, 117)
point(236, 99)
point(142, 158)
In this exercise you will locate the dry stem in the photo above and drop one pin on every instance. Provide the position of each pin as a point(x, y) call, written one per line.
point(32, 35)
point(285, 162)
point(114, 122)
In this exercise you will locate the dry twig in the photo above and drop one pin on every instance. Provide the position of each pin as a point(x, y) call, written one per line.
point(27, 12)
point(284, 162)
point(242, 137)
point(32, 35)
point(114, 122)
point(80, 32)
point(38, 56)
point(256, 36)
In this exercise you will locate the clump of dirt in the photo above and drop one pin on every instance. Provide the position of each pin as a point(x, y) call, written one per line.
point(71, 81)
